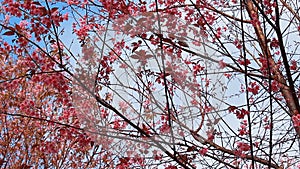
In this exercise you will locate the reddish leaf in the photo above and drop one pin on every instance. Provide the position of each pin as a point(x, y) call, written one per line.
point(134, 44)
point(209, 123)
point(18, 28)
point(54, 9)
point(184, 44)
point(167, 40)
point(160, 35)
point(24, 166)
point(148, 56)
point(216, 121)
point(171, 36)
point(151, 37)
point(232, 108)
point(192, 148)
point(9, 33)
point(2, 162)
point(36, 3)
point(141, 20)
point(134, 49)
point(52, 41)
point(44, 11)
point(142, 2)
point(135, 56)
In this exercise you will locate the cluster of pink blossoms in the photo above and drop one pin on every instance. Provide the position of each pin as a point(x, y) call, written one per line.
point(296, 120)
